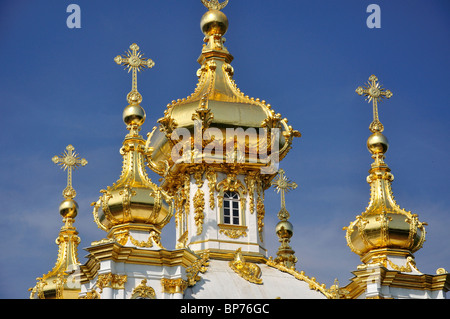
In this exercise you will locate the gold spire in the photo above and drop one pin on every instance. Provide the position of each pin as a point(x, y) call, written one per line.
point(284, 229)
point(62, 281)
point(384, 229)
point(134, 202)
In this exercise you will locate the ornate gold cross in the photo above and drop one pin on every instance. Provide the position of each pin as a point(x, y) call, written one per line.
point(69, 160)
point(283, 184)
point(133, 61)
point(214, 4)
point(374, 92)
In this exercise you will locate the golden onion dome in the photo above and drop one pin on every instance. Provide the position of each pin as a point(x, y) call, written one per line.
point(133, 200)
point(217, 104)
point(383, 226)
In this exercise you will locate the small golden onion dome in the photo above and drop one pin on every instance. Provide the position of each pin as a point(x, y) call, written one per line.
point(68, 208)
point(134, 198)
point(214, 22)
point(383, 225)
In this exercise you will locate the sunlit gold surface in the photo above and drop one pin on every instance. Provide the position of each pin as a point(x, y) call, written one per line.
point(217, 103)
point(284, 229)
point(383, 225)
point(133, 198)
point(62, 282)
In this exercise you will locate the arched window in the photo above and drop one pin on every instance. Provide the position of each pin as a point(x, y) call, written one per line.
point(231, 208)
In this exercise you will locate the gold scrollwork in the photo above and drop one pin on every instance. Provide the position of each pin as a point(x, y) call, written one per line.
point(233, 231)
point(199, 206)
point(111, 280)
point(142, 291)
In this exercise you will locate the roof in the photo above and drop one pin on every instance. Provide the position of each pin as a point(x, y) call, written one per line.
point(276, 283)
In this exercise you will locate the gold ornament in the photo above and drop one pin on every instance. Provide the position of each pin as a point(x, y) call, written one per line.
point(374, 92)
point(69, 161)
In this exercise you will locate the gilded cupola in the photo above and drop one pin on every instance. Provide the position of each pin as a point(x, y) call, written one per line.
point(133, 202)
point(384, 229)
point(196, 129)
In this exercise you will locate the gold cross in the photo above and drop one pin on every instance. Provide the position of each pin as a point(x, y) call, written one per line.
point(133, 61)
point(69, 160)
point(214, 4)
point(283, 184)
point(374, 92)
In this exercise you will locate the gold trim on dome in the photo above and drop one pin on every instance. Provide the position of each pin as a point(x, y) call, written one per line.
point(300, 275)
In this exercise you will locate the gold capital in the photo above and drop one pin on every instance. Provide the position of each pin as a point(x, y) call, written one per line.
point(69, 160)
point(374, 92)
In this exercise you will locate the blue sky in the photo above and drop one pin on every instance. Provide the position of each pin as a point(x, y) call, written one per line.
point(60, 86)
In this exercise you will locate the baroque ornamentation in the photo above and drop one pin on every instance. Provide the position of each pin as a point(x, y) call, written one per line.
point(171, 286)
point(110, 280)
point(233, 231)
point(199, 207)
point(233, 184)
point(374, 92)
point(142, 291)
point(69, 161)
point(200, 265)
point(211, 176)
point(249, 271)
point(300, 275)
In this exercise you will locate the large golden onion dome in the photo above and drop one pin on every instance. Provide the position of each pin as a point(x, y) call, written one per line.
point(383, 228)
point(217, 104)
point(134, 201)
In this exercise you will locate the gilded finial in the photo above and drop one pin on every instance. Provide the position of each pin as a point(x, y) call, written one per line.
point(284, 229)
point(214, 4)
point(374, 92)
point(133, 61)
point(69, 161)
point(283, 184)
